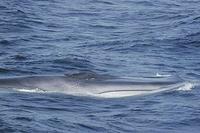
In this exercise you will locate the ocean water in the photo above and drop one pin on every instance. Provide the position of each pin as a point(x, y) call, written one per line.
point(96, 40)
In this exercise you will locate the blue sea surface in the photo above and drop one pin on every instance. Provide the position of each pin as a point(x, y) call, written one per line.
point(116, 38)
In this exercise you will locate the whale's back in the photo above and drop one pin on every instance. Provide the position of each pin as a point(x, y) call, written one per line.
point(109, 88)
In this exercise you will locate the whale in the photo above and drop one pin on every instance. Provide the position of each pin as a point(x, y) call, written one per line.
point(92, 86)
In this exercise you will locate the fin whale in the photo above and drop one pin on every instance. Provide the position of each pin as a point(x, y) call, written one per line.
point(107, 88)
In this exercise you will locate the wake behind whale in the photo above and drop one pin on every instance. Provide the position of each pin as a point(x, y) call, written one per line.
point(80, 85)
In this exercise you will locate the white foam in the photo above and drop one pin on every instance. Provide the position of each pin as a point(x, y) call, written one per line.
point(162, 75)
point(36, 90)
point(187, 86)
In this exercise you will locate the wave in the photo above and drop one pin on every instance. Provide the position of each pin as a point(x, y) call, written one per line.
point(162, 75)
point(4, 70)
